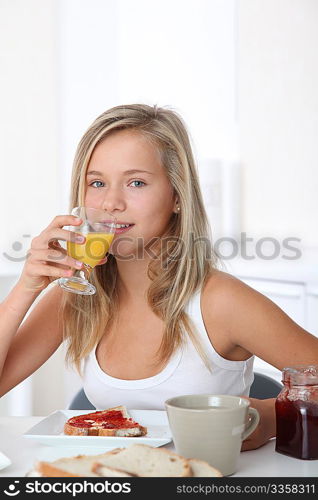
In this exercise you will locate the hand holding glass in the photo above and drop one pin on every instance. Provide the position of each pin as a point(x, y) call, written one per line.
point(98, 227)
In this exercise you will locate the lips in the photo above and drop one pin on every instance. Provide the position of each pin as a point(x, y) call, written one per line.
point(120, 230)
point(117, 222)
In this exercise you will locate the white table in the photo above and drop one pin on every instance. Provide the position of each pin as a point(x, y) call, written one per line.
point(264, 462)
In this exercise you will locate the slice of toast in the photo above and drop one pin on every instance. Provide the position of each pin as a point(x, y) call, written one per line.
point(136, 460)
point(143, 461)
point(200, 468)
point(111, 422)
point(79, 466)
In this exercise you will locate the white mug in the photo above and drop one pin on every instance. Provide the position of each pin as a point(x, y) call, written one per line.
point(211, 427)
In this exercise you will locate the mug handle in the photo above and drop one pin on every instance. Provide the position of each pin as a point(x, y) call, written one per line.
point(252, 424)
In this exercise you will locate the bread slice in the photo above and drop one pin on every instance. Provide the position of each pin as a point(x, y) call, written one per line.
point(136, 460)
point(111, 422)
point(143, 461)
point(111, 472)
point(79, 466)
point(200, 468)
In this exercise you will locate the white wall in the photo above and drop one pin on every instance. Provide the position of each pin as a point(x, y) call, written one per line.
point(182, 54)
point(278, 109)
point(28, 125)
point(87, 51)
point(29, 146)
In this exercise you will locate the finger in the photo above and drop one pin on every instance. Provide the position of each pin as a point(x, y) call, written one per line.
point(45, 270)
point(245, 445)
point(56, 245)
point(250, 445)
point(103, 261)
point(48, 237)
point(64, 220)
point(65, 235)
point(56, 258)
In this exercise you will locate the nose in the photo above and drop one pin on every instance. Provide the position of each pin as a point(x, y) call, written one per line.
point(114, 201)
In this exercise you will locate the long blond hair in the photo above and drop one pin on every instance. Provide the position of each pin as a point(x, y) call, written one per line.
point(180, 270)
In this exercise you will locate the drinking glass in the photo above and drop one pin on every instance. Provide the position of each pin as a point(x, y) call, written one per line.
point(98, 227)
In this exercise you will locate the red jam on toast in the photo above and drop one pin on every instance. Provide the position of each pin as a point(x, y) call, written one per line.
point(111, 422)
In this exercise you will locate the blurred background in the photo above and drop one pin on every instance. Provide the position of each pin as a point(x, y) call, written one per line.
point(244, 76)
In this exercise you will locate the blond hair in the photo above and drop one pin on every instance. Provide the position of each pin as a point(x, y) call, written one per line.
point(180, 270)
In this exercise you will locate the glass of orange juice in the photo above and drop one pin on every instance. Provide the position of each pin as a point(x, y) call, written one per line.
point(98, 227)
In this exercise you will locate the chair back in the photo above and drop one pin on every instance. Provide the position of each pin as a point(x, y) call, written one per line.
point(264, 387)
point(80, 402)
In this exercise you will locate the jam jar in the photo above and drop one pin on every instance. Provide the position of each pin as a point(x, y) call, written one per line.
point(297, 413)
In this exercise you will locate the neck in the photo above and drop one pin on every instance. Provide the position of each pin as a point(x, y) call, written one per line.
point(133, 282)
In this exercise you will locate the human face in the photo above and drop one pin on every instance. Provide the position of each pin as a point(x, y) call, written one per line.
point(145, 199)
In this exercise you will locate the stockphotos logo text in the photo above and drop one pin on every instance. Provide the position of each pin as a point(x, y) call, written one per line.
point(247, 248)
point(74, 488)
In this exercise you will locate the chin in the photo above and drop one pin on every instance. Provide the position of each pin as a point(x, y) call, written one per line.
point(128, 248)
point(125, 252)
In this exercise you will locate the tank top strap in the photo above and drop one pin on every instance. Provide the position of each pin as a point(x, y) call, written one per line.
point(193, 309)
point(195, 312)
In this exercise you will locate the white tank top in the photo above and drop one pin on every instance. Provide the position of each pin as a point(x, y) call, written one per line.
point(185, 373)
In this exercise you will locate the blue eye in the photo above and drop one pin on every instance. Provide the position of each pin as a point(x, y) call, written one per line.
point(143, 183)
point(95, 183)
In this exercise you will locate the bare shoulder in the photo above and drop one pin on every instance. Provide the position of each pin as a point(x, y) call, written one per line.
point(227, 301)
point(252, 321)
point(222, 290)
point(222, 296)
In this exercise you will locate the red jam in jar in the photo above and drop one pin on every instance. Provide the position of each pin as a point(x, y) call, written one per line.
point(297, 413)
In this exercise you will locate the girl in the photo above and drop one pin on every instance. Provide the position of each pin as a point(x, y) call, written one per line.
point(164, 320)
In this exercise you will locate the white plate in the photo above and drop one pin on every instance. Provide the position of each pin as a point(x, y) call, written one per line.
point(49, 431)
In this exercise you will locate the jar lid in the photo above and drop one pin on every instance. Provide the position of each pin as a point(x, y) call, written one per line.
point(301, 375)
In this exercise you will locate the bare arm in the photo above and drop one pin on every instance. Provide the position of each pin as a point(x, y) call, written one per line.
point(12, 312)
point(24, 349)
point(250, 323)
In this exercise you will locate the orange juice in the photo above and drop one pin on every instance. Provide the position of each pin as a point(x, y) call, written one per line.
point(93, 250)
